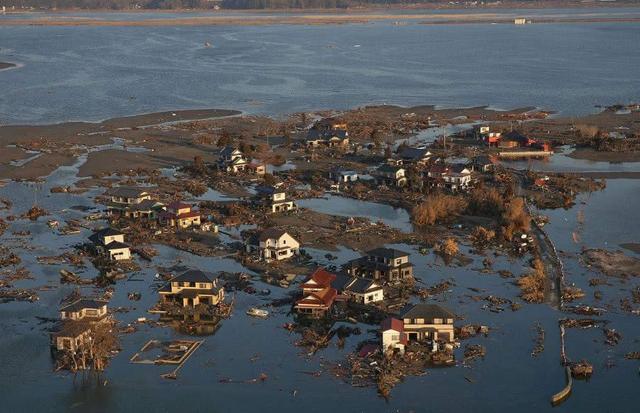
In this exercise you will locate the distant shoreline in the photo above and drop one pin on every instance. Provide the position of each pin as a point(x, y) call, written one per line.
point(313, 19)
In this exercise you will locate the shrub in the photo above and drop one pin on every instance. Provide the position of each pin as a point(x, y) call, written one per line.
point(438, 208)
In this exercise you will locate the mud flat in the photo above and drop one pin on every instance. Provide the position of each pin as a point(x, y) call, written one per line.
point(613, 263)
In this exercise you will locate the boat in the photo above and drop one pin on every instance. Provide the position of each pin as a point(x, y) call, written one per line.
point(256, 312)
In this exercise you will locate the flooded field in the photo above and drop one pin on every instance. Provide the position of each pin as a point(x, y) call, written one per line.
point(225, 367)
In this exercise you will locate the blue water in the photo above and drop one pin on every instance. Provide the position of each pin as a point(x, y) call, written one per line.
point(94, 73)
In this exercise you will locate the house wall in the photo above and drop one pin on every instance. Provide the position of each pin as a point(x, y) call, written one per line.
point(109, 239)
point(120, 254)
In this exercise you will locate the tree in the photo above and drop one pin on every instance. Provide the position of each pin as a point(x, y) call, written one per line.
point(515, 218)
point(438, 208)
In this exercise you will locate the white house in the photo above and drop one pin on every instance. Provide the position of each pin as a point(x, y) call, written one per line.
point(232, 160)
point(393, 337)
point(275, 199)
point(110, 242)
point(274, 245)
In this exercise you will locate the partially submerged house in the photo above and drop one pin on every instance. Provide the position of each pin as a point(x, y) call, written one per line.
point(274, 199)
point(428, 322)
point(359, 290)
point(385, 265)
point(76, 322)
point(393, 336)
point(192, 288)
point(232, 160)
point(84, 309)
point(110, 242)
point(273, 245)
point(318, 295)
point(132, 202)
point(391, 175)
point(180, 214)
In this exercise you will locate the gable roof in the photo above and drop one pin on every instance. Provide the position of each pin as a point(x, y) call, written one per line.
point(321, 277)
point(361, 285)
point(325, 296)
point(515, 136)
point(81, 303)
point(391, 323)
point(390, 253)
point(98, 236)
point(426, 311)
point(228, 151)
point(193, 276)
point(408, 152)
point(115, 245)
point(389, 168)
point(175, 205)
point(271, 233)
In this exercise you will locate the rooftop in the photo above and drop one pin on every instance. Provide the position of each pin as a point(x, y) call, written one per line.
point(390, 253)
point(426, 311)
point(83, 303)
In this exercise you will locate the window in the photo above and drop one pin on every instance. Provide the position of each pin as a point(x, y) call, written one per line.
point(437, 321)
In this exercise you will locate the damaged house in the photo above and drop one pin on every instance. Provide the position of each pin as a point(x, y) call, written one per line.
point(385, 265)
point(132, 202)
point(359, 290)
point(274, 199)
point(391, 175)
point(179, 214)
point(110, 242)
point(232, 160)
point(76, 322)
point(318, 295)
point(273, 245)
point(428, 322)
point(191, 288)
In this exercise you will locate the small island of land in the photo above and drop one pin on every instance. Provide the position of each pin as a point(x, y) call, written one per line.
point(5, 65)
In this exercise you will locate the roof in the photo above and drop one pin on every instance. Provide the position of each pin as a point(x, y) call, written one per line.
point(115, 245)
point(326, 296)
point(70, 328)
point(192, 276)
point(411, 153)
point(98, 236)
point(321, 277)
point(267, 190)
point(127, 191)
point(341, 281)
point(515, 136)
point(145, 205)
point(361, 285)
point(391, 323)
point(426, 311)
point(175, 205)
point(390, 253)
point(389, 168)
point(82, 303)
point(228, 151)
point(482, 160)
point(271, 233)
point(316, 134)
point(458, 167)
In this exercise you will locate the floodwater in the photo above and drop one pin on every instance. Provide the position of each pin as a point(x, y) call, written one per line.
point(349, 207)
point(93, 73)
point(90, 73)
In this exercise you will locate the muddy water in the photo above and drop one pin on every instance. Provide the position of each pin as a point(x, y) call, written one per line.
point(349, 207)
point(243, 348)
